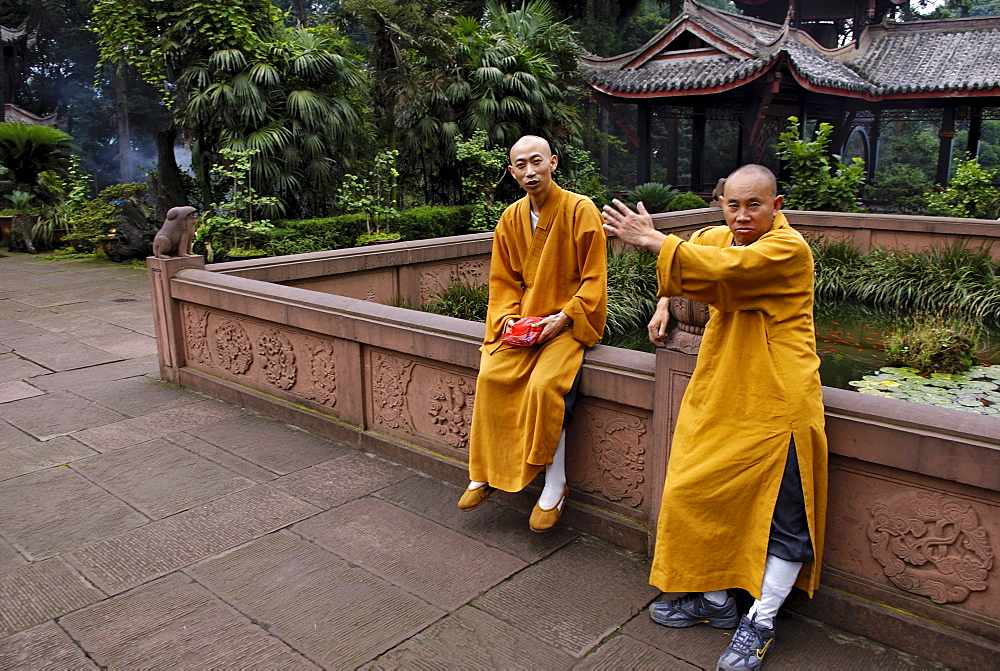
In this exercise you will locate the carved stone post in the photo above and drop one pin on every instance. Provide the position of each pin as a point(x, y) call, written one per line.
point(674, 365)
point(166, 312)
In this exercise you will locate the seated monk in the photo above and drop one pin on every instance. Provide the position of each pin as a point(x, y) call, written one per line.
point(549, 260)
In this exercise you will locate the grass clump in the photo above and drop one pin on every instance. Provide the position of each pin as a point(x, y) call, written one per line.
point(935, 343)
point(631, 291)
point(953, 280)
point(461, 299)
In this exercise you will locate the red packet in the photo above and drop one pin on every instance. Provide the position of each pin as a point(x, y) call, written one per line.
point(523, 332)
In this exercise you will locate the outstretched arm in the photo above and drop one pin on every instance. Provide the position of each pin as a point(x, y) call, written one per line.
point(631, 227)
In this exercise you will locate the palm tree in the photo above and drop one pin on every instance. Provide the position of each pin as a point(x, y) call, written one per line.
point(295, 101)
point(28, 151)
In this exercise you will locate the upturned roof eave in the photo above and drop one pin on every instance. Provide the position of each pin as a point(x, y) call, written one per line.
point(694, 91)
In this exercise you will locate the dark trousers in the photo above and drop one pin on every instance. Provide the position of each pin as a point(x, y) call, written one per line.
point(789, 537)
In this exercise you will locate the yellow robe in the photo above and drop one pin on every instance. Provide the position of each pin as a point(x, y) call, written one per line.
point(518, 413)
point(756, 383)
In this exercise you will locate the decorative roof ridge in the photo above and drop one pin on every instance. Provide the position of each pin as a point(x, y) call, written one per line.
point(940, 25)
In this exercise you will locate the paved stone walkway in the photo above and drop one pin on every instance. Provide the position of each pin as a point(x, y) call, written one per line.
point(142, 525)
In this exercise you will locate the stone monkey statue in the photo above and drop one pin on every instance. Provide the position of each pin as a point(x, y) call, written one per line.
point(177, 233)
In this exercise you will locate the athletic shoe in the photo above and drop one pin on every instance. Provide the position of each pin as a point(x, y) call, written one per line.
point(695, 609)
point(746, 650)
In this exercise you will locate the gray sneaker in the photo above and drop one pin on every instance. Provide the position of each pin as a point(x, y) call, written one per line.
point(693, 609)
point(746, 650)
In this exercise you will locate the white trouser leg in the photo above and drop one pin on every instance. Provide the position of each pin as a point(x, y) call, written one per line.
point(475, 484)
point(555, 476)
point(779, 577)
point(718, 597)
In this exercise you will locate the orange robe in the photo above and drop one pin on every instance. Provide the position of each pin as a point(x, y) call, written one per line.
point(756, 383)
point(519, 408)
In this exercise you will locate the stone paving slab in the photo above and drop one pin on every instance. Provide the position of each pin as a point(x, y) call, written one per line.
point(75, 325)
point(333, 613)
point(624, 652)
point(43, 647)
point(173, 624)
point(131, 346)
point(15, 391)
point(85, 377)
point(116, 435)
point(495, 524)
point(14, 367)
point(15, 461)
point(472, 639)
point(574, 598)
point(39, 592)
point(17, 329)
point(11, 436)
point(13, 310)
point(138, 395)
point(56, 414)
point(426, 559)
point(341, 479)
point(160, 479)
point(10, 558)
point(163, 546)
point(220, 456)
point(56, 353)
point(268, 443)
point(41, 523)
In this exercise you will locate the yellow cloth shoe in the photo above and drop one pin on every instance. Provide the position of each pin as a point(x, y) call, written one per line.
point(473, 497)
point(543, 519)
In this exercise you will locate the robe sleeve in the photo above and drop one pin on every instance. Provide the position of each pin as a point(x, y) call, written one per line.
point(736, 278)
point(506, 287)
point(589, 305)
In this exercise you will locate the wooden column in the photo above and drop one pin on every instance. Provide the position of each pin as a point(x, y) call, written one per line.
point(698, 121)
point(946, 138)
point(644, 122)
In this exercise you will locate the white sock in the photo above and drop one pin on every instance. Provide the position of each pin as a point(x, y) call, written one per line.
point(555, 477)
point(779, 577)
point(475, 485)
point(718, 597)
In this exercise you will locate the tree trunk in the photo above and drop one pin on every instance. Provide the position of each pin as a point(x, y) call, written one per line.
point(124, 133)
point(168, 188)
point(301, 13)
point(20, 233)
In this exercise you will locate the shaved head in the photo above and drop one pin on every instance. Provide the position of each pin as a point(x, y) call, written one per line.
point(759, 171)
point(531, 142)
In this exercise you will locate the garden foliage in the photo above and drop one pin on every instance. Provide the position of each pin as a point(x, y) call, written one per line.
point(819, 181)
point(970, 193)
point(935, 343)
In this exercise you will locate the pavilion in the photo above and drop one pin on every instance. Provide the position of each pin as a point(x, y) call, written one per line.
point(731, 81)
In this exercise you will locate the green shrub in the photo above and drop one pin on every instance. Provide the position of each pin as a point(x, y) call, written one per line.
point(970, 193)
point(654, 196)
point(935, 344)
point(462, 300)
point(686, 201)
point(901, 188)
point(92, 223)
point(430, 221)
point(819, 180)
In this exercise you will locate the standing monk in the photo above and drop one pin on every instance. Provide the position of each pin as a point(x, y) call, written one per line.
point(549, 260)
point(744, 503)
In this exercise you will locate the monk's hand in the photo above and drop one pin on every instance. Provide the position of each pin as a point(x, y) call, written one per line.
point(657, 327)
point(552, 325)
point(631, 227)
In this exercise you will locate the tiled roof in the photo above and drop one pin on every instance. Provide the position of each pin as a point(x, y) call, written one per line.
point(908, 59)
point(939, 56)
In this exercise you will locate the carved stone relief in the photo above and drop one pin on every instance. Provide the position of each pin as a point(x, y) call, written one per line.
point(321, 382)
point(196, 334)
point(451, 409)
point(436, 279)
point(390, 378)
point(618, 458)
point(932, 545)
point(277, 358)
point(233, 347)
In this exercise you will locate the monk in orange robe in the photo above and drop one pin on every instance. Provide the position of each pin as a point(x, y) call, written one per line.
point(549, 260)
point(745, 496)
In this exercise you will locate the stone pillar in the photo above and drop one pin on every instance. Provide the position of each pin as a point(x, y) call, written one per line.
point(946, 137)
point(166, 312)
point(674, 366)
point(644, 123)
